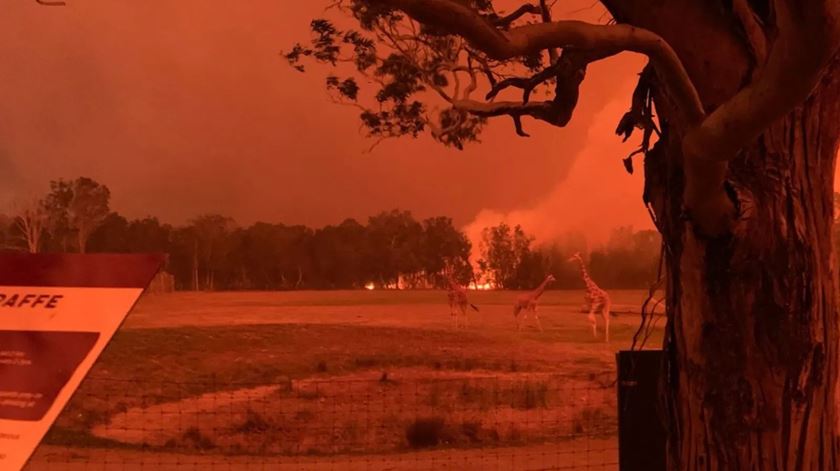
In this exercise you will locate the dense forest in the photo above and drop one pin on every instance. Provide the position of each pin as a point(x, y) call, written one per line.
point(390, 249)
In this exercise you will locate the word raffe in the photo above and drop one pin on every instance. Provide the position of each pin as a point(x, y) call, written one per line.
point(528, 303)
point(30, 300)
point(595, 298)
point(458, 302)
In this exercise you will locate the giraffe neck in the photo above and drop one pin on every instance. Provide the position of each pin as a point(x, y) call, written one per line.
point(591, 286)
point(539, 291)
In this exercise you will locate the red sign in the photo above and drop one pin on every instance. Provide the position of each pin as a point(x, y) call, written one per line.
point(57, 314)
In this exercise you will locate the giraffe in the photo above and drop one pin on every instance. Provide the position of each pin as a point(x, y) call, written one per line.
point(458, 301)
point(528, 303)
point(594, 299)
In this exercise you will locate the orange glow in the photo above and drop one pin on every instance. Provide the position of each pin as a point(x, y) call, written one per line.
point(263, 124)
point(480, 286)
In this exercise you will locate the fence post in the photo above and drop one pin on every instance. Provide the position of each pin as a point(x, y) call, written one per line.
point(641, 435)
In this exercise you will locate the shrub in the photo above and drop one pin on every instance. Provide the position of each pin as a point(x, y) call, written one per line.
point(193, 438)
point(531, 395)
point(425, 432)
point(253, 423)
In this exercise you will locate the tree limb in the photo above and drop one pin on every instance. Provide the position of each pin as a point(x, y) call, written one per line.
point(544, 110)
point(505, 21)
point(753, 31)
point(461, 20)
point(568, 72)
point(553, 55)
point(808, 40)
point(527, 84)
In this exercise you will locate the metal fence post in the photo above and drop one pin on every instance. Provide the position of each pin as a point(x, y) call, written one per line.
point(641, 435)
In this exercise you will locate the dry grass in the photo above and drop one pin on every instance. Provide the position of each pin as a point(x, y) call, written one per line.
point(209, 348)
point(360, 413)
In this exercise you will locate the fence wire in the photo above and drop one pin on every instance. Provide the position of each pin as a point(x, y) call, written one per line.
point(517, 421)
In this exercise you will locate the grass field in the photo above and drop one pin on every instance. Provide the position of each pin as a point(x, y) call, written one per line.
point(371, 376)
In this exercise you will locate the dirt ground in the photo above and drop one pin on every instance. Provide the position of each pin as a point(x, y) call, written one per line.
point(584, 454)
point(341, 380)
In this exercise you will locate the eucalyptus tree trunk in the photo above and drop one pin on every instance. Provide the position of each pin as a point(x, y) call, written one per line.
point(751, 374)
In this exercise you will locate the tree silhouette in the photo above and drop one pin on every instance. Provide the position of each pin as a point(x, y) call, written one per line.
point(74, 210)
point(87, 208)
point(507, 259)
point(31, 223)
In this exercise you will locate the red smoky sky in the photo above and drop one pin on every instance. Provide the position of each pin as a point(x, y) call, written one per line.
point(187, 107)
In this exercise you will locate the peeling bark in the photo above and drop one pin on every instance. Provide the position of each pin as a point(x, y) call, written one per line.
point(751, 377)
point(754, 327)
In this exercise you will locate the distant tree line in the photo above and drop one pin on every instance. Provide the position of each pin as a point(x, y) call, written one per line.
point(509, 259)
point(391, 249)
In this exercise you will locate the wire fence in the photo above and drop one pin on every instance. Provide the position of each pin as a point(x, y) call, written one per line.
point(475, 421)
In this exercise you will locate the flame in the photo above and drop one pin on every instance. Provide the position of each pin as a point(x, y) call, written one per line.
point(370, 286)
point(480, 286)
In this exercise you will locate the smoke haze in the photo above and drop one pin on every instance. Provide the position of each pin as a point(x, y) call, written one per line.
point(186, 107)
point(596, 196)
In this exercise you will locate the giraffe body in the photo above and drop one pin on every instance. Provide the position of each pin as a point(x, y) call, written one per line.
point(527, 304)
point(458, 303)
point(595, 300)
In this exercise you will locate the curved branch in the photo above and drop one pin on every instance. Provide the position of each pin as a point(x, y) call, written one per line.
point(569, 67)
point(461, 20)
point(553, 55)
point(568, 72)
point(473, 85)
point(527, 84)
point(549, 111)
point(505, 21)
point(753, 31)
point(809, 39)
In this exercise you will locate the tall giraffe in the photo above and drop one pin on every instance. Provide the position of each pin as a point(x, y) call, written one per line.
point(528, 303)
point(458, 301)
point(595, 299)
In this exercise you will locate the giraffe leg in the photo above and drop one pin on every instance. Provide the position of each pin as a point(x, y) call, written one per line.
point(464, 313)
point(606, 314)
point(537, 318)
point(591, 317)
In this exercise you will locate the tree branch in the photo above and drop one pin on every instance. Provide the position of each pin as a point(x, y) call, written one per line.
point(527, 84)
point(568, 72)
point(460, 19)
point(505, 21)
point(753, 31)
point(553, 55)
point(808, 40)
point(556, 112)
